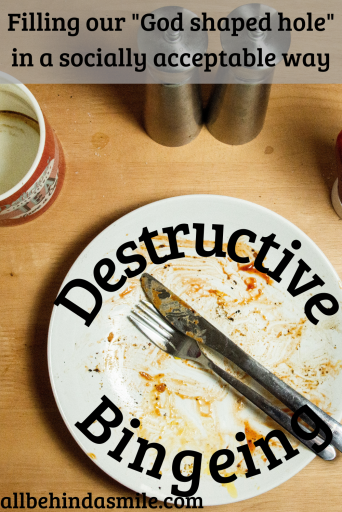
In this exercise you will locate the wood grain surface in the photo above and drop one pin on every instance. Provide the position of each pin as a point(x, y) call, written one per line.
point(113, 167)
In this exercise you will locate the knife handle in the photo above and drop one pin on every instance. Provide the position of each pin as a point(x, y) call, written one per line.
point(287, 395)
point(274, 412)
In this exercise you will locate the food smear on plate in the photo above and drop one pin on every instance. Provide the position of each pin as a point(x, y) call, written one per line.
point(183, 406)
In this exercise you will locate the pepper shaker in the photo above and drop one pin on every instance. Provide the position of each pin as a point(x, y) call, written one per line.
point(173, 114)
point(238, 105)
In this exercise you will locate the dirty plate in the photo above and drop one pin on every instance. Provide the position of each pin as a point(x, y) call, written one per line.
point(179, 405)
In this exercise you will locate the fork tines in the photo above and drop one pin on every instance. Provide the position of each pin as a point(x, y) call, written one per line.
point(147, 319)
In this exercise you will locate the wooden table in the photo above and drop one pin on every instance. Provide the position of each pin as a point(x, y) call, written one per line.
point(289, 168)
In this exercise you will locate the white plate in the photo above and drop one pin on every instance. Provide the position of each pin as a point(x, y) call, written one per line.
point(195, 411)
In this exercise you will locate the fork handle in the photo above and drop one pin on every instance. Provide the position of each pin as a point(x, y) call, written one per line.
point(274, 412)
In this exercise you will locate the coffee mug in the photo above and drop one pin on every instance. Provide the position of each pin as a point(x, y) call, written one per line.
point(32, 164)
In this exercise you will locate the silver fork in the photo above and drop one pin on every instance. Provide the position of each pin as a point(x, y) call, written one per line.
point(149, 321)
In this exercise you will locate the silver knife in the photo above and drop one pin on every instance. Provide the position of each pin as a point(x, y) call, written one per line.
point(184, 318)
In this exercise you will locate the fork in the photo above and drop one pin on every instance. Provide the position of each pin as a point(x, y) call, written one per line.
point(149, 321)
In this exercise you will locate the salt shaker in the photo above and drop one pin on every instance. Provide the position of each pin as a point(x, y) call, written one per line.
point(173, 113)
point(238, 105)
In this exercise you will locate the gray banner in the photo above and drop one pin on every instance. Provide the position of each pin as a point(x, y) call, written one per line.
point(82, 41)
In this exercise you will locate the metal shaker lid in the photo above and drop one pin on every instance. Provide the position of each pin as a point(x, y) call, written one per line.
point(270, 41)
point(171, 40)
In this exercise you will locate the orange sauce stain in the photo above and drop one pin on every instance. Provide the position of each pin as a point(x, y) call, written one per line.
point(249, 267)
point(251, 436)
point(195, 288)
point(158, 388)
point(204, 407)
point(128, 290)
point(161, 387)
point(92, 455)
point(110, 336)
point(193, 285)
point(219, 295)
point(330, 368)
point(250, 283)
point(224, 270)
point(251, 298)
point(145, 375)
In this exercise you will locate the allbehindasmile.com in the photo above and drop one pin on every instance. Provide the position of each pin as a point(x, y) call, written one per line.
point(25, 500)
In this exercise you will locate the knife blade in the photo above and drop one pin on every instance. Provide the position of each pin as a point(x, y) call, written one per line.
point(188, 321)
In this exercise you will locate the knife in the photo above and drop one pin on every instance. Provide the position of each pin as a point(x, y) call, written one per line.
point(186, 320)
